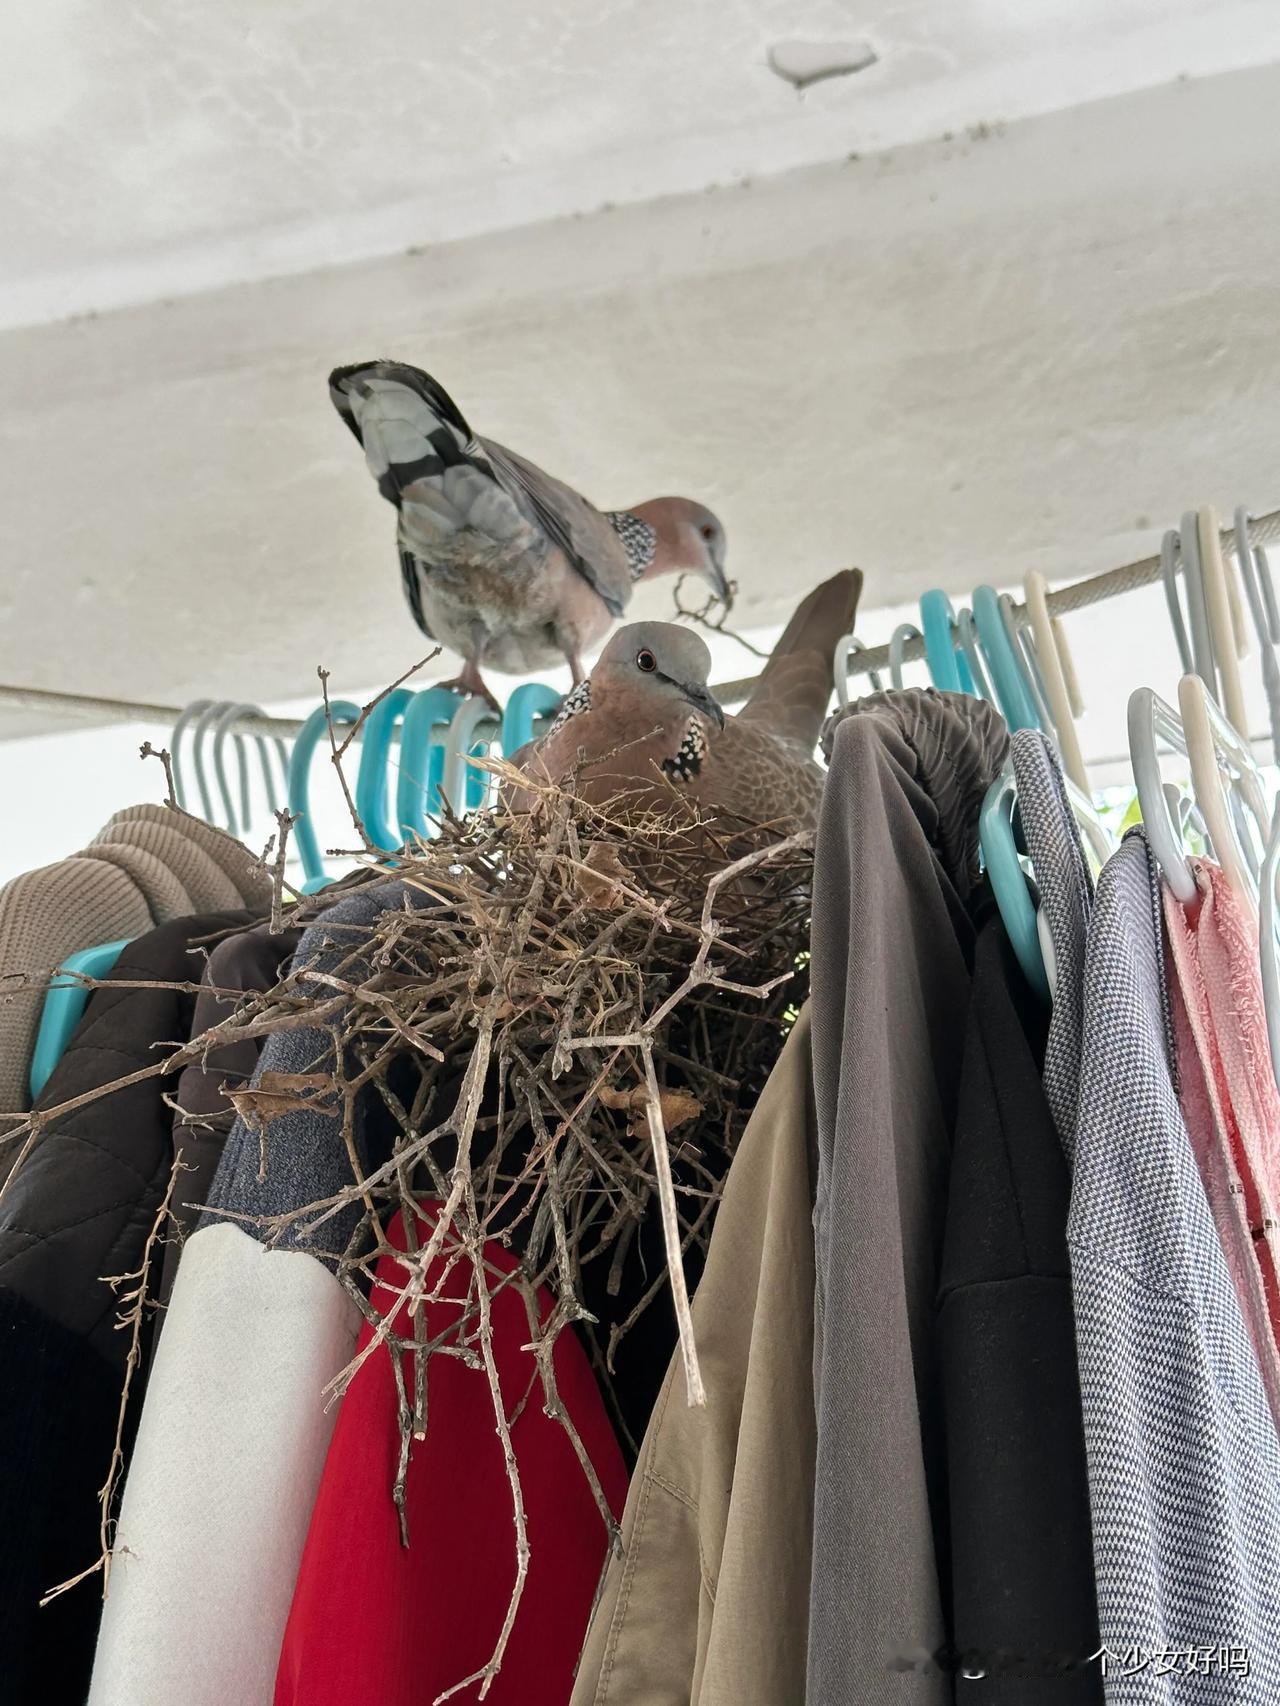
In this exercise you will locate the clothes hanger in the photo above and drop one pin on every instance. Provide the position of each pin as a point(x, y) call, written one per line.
point(1169, 575)
point(1008, 673)
point(1150, 721)
point(466, 786)
point(64, 1006)
point(422, 759)
point(897, 641)
point(231, 715)
point(1023, 645)
point(534, 699)
point(849, 646)
point(1205, 665)
point(1220, 760)
point(371, 775)
point(1061, 689)
point(1003, 852)
point(1224, 626)
point(949, 669)
point(344, 713)
point(185, 717)
point(971, 649)
point(207, 719)
point(1001, 855)
point(1269, 940)
point(1256, 573)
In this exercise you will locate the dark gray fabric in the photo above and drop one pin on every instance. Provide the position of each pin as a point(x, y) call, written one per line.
point(306, 1156)
point(896, 860)
point(247, 963)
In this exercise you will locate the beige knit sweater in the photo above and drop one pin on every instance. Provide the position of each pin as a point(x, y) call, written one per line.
point(149, 864)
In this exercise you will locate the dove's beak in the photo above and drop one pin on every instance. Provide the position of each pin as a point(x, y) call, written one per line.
point(703, 701)
point(715, 577)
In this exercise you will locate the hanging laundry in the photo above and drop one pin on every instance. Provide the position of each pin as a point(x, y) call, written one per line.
point(149, 864)
point(895, 866)
point(1226, 1110)
point(80, 1208)
point(708, 1600)
point(381, 1618)
point(1023, 1612)
point(236, 1422)
point(1184, 1474)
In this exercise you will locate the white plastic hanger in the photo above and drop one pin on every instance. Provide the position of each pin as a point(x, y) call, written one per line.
point(1222, 765)
point(846, 648)
point(1058, 677)
point(1151, 721)
point(1225, 618)
point(1269, 940)
point(897, 641)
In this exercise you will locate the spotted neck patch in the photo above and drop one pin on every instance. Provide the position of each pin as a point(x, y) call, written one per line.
point(639, 540)
point(687, 761)
point(577, 700)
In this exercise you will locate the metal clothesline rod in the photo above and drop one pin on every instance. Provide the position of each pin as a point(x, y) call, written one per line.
point(1264, 530)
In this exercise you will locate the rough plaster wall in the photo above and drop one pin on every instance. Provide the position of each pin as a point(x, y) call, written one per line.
point(948, 364)
point(155, 147)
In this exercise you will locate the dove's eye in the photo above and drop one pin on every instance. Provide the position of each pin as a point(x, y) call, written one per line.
point(708, 533)
point(646, 661)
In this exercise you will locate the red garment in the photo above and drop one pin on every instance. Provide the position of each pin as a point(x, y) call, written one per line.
point(375, 1624)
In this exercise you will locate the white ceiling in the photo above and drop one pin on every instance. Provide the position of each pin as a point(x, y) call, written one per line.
point(159, 147)
point(1030, 342)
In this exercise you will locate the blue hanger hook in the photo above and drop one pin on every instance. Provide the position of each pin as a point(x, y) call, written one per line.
point(422, 758)
point(304, 835)
point(949, 668)
point(371, 777)
point(1011, 688)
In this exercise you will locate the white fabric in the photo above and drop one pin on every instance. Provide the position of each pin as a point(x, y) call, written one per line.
point(224, 1473)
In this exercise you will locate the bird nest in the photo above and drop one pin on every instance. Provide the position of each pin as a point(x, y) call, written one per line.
point(565, 1027)
point(589, 1010)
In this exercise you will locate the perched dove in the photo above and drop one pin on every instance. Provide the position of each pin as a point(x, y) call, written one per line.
point(645, 722)
point(501, 562)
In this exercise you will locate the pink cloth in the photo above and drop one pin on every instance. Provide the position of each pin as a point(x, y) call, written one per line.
point(1228, 1094)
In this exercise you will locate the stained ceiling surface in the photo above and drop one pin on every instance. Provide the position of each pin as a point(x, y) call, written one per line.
point(1003, 298)
point(154, 147)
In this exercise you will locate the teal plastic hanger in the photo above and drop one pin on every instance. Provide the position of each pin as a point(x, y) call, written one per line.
point(64, 1007)
point(371, 777)
point(532, 700)
point(1012, 692)
point(1000, 855)
point(422, 759)
point(304, 835)
point(949, 669)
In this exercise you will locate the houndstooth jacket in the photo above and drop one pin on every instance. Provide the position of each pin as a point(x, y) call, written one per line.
point(1184, 1463)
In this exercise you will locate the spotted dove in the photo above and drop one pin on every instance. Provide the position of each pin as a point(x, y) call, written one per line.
point(644, 728)
point(502, 563)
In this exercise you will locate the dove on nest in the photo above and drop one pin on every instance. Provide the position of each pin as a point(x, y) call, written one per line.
point(644, 728)
point(500, 562)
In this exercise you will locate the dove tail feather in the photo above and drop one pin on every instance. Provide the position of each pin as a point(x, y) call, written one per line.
point(794, 689)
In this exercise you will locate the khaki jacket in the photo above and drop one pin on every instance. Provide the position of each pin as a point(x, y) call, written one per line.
point(708, 1604)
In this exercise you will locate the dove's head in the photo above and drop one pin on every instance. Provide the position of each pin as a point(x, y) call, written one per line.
point(657, 671)
point(688, 540)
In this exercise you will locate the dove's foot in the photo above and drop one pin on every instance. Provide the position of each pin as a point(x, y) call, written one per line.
point(470, 681)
